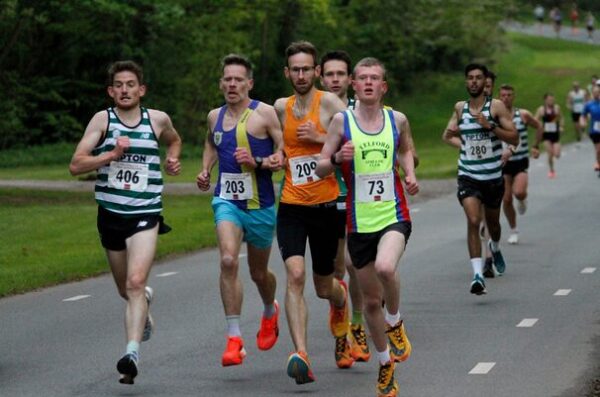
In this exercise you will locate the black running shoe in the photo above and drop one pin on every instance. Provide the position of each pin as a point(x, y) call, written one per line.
point(127, 367)
point(488, 268)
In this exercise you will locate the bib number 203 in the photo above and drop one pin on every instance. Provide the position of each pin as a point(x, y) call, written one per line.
point(234, 187)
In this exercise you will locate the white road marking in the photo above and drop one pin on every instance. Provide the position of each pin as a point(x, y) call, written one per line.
point(167, 274)
point(588, 270)
point(415, 210)
point(527, 322)
point(76, 298)
point(482, 368)
point(562, 292)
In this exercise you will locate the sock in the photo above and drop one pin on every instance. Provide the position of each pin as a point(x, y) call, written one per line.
point(233, 326)
point(514, 231)
point(269, 310)
point(133, 347)
point(357, 317)
point(384, 356)
point(477, 265)
point(392, 319)
point(494, 245)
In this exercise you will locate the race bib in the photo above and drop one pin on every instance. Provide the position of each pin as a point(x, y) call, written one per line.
point(550, 127)
point(596, 126)
point(128, 176)
point(374, 187)
point(479, 149)
point(236, 186)
point(303, 169)
point(578, 108)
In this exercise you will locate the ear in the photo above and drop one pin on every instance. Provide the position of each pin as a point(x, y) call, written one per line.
point(286, 72)
point(250, 84)
point(142, 90)
point(318, 70)
point(111, 92)
point(384, 87)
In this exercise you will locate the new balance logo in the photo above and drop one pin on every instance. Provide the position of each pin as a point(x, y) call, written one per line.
point(142, 223)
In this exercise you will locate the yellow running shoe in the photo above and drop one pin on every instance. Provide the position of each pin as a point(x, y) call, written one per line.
point(338, 316)
point(400, 347)
point(386, 384)
point(343, 357)
point(359, 349)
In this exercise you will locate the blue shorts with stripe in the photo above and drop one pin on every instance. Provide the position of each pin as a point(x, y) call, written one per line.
point(258, 225)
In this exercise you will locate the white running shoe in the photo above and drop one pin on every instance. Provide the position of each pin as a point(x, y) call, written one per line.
point(513, 238)
point(521, 206)
point(149, 326)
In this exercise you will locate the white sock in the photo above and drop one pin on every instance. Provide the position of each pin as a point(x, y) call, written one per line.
point(233, 326)
point(494, 245)
point(384, 356)
point(477, 265)
point(133, 347)
point(514, 231)
point(392, 319)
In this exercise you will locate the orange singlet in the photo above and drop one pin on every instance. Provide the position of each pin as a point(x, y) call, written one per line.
point(301, 186)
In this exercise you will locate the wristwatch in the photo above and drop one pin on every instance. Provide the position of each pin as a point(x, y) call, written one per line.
point(259, 161)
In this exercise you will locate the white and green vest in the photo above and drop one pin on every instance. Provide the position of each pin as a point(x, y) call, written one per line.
point(522, 151)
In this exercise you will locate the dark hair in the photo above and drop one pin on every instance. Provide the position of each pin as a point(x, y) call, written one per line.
point(236, 59)
point(546, 95)
point(507, 87)
point(491, 75)
point(473, 66)
point(337, 55)
point(370, 61)
point(298, 47)
point(124, 66)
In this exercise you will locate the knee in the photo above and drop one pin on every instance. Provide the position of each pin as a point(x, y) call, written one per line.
point(323, 291)
point(507, 201)
point(259, 276)
point(521, 194)
point(296, 278)
point(372, 303)
point(229, 264)
point(386, 272)
point(135, 284)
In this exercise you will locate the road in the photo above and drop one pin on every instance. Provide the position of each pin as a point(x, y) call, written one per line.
point(536, 333)
point(547, 30)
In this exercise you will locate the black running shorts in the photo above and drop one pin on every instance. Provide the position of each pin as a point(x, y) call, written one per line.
point(512, 168)
point(318, 224)
point(488, 192)
point(551, 136)
point(363, 246)
point(114, 228)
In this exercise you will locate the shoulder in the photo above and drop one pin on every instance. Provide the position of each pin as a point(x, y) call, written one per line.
point(213, 114)
point(459, 105)
point(158, 116)
point(280, 103)
point(399, 117)
point(264, 108)
point(100, 117)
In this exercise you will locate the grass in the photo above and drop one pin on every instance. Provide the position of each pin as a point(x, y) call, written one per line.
point(44, 244)
point(67, 248)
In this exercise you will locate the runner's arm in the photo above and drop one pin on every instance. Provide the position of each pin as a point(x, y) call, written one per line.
point(506, 129)
point(331, 147)
point(171, 138)
point(405, 153)
point(451, 134)
point(275, 161)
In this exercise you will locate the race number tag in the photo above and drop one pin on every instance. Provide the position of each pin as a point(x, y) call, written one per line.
point(550, 127)
point(236, 186)
point(578, 108)
point(479, 149)
point(374, 187)
point(303, 169)
point(596, 126)
point(128, 176)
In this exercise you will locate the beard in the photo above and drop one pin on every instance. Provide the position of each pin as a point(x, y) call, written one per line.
point(304, 89)
point(475, 94)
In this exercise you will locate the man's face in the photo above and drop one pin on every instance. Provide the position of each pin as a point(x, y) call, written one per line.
point(507, 97)
point(369, 85)
point(335, 77)
point(549, 101)
point(596, 92)
point(301, 72)
point(488, 88)
point(235, 83)
point(475, 82)
point(126, 90)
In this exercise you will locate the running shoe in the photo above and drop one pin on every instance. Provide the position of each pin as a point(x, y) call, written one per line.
point(522, 206)
point(128, 368)
point(343, 358)
point(298, 367)
point(498, 260)
point(234, 351)
point(338, 316)
point(488, 268)
point(551, 174)
point(359, 349)
point(386, 384)
point(400, 347)
point(269, 330)
point(478, 285)
point(513, 238)
point(597, 166)
point(149, 325)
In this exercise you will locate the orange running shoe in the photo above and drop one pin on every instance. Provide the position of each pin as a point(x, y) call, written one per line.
point(269, 330)
point(338, 316)
point(298, 367)
point(359, 349)
point(386, 384)
point(400, 347)
point(551, 174)
point(234, 351)
point(597, 166)
point(343, 358)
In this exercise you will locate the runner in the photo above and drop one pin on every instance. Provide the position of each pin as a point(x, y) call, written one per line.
point(590, 87)
point(556, 17)
point(121, 143)
point(574, 16)
point(477, 126)
point(490, 81)
point(516, 163)
point(307, 209)
point(575, 103)
point(242, 134)
point(590, 20)
point(539, 12)
point(550, 116)
point(369, 143)
point(591, 115)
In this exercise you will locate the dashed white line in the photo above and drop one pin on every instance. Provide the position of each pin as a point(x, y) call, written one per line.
point(415, 210)
point(166, 274)
point(588, 270)
point(562, 292)
point(482, 368)
point(527, 322)
point(76, 298)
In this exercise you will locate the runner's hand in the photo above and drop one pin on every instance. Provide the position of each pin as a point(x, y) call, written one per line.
point(121, 146)
point(307, 132)
point(535, 153)
point(505, 156)
point(173, 166)
point(347, 151)
point(243, 157)
point(483, 121)
point(203, 180)
point(412, 186)
point(275, 161)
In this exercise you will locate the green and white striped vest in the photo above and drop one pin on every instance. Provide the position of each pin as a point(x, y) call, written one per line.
point(522, 151)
